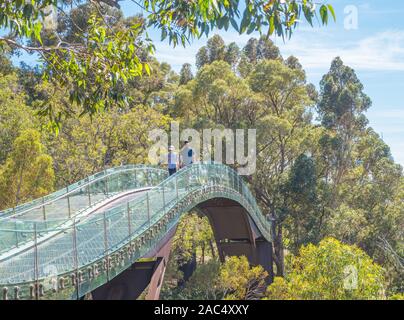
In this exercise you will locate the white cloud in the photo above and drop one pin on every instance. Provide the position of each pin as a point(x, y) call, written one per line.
point(383, 51)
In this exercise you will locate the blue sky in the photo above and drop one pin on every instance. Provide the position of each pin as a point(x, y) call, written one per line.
point(375, 50)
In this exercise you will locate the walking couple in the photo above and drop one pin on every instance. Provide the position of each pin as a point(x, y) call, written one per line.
point(177, 161)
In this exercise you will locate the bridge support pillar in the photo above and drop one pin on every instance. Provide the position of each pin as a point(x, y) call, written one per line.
point(264, 257)
point(131, 283)
point(237, 235)
point(158, 275)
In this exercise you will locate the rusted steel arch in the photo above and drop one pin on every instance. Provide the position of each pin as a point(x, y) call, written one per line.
point(235, 233)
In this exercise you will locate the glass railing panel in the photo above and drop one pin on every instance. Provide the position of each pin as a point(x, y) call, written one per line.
point(9, 239)
point(113, 185)
point(54, 195)
point(57, 255)
point(181, 185)
point(57, 209)
point(155, 197)
point(127, 180)
point(117, 227)
point(76, 185)
point(141, 178)
point(34, 214)
point(139, 215)
point(170, 191)
point(156, 176)
point(79, 200)
point(20, 269)
point(97, 191)
point(90, 241)
point(24, 232)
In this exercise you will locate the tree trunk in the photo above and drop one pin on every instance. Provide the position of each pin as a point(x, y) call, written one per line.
point(18, 191)
point(212, 249)
point(278, 254)
point(203, 253)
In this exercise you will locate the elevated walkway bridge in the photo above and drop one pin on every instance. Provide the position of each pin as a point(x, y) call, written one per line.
point(109, 235)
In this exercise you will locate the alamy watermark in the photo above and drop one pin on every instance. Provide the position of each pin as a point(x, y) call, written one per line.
point(351, 17)
point(240, 146)
point(50, 21)
point(350, 277)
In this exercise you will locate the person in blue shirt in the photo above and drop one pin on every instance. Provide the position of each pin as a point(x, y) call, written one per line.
point(172, 160)
point(187, 155)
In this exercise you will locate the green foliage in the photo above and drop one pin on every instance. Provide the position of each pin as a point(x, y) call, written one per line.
point(22, 18)
point(284, 133)
point(96, 75)
point(209, 99)
point(261, 49)
point(86, 145)
point(204, 283)
point(232, 54)
point(217, 50)
point(27, 172)
point(194, 234)
point(235, 279)
point(240, 280)
point(15, 115)
point(256, 51)
point(6, 67)
point(185, 74)
point(315, 180)
point(194, 237)
point(97, 57)
point(181, 21)
point(398, 296)
point(342, 99)
point(331, 270)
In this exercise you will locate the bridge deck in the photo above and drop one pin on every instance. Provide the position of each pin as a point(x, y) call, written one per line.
point(56, 255)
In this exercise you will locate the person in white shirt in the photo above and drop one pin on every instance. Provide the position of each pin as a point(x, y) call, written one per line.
point(172, 160)
point(187, 155)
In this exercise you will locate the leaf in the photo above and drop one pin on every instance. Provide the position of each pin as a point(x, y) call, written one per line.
point(324, 14)
point(234, 24)
point(245, 21)
point(147, 68)
point(331, 9)
point(251, 28)
point(37, 32)
point(271, 25)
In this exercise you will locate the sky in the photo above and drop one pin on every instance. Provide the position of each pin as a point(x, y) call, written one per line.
point(374, 47)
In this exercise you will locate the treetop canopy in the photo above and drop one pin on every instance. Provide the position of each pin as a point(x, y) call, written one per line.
point(108, 55)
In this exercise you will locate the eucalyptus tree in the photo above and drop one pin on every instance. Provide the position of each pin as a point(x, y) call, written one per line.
point(330, 271)
point(217, 50)
point(186, 74)
point(232, 55)
point(28, 171)
point(257, 50)
point(285, 132)
point(15, 115)
point(341, 110)
point(209, 100)
point(94, 67)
